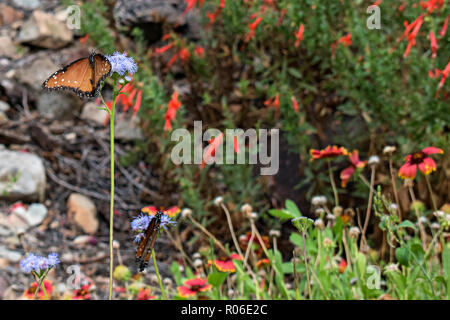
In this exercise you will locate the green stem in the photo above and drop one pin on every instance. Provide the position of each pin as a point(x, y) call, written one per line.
point(158, 276)
point(111, 212)
point(431, 192)
point(333, 185)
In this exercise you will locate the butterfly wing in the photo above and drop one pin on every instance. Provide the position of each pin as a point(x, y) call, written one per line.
point(76, 77)
point(102, 69)
point(83, 76)
point(150, 236)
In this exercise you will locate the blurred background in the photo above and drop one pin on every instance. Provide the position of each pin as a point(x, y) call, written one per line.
point(313, 69)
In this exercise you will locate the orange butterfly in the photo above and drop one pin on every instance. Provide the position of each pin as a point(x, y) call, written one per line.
point(83, 76)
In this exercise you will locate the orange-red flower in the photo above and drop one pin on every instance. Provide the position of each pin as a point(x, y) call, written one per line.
point(433, 43)
point(411, 31)
point(82, 293)
point(299, 35)
point(144, 294)
point(444, 74)
point(251, 28)
point(348, 172)
point(262, 263)
point(30, 292)
point(257, 244)
point(328, 152)
point(152, 210)
point(194, 286)
point(432, 5)
point(226, 264)
point(419, 159)
point(174, 105)
point(294, 103)
point(444, 27)
point(342, 266)
point(84, 39)
point(274, 103)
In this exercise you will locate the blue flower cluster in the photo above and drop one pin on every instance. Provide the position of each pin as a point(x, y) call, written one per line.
point(140, 224)
point(122, 64)
point(37, 263)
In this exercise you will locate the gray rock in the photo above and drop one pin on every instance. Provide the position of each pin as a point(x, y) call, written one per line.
point(83, 212)
point(3, 117)
point(26, 4)
point(45, 30)
point(7, 48)
point(8, 15)
point(127, 130)
point(4, 107)
point(92, 112)
point(10, 255)
point(37, 72)
point(35, 214)
point(22, 176)
point(58, 105)
point(149, 15)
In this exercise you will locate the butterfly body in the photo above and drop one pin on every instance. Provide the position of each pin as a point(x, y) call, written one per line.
point(149, 238)
point(82, 76)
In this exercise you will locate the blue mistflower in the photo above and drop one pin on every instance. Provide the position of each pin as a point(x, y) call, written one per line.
point(122, 64)
point(167, 221)
point(37, 263)
point(141, 222)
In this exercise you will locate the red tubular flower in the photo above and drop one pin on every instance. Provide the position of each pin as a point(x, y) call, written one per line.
point(348, 172)
point(274, 103)
point(194, 286)
point(444, 74)
point(432, 5)
point(226, 264)
point(184, 54)
point(84, 39)
point(144, 294)
point(30, 292)
point(258, 245)
point(328, 152)
point(164, 48)
point(444, 27)
point(419, 159)
point(294, 104)
point(299, 35)
point(262, 263)
point(434, 45)
point(342, 266)
point(346, 40)
point(174, 105)
point(152, 210)
point(199, 51)
point(252, 27)
point(411, 35)
point(82, 293)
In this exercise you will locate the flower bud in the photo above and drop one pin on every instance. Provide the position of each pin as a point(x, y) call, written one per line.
point(354, 232)
point(122, 273)
point(275, 233)
point(337, 211)
point(319, 224)
point(186, 212)
point(373, 160)
point(389, 150)
point(246, 209)
point(218, 201)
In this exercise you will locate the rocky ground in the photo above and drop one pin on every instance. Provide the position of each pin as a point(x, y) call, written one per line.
point(54, 154)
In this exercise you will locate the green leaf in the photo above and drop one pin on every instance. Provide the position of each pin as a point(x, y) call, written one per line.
point(361, 264)
point(292, 208)
point(407, 224)
point(282, 214)
point(295, 73)
point(217, 278)
point(402, 255)
point(175, 269)
point(296, 239)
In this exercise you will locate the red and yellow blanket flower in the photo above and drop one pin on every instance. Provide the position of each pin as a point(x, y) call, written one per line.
point(226, 264)
point(328, 152)
point(30, 292)
point(348, 172)
point(83, 293)
point(144, 294)
point(194, 286)
point(421, 160)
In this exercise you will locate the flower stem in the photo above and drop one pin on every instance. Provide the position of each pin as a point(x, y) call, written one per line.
point(158, 276)
point(111, 211)
point(333, 185)
point(431, 192)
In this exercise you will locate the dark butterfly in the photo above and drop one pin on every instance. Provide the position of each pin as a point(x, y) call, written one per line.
point(83, 76)
point(149, 237)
